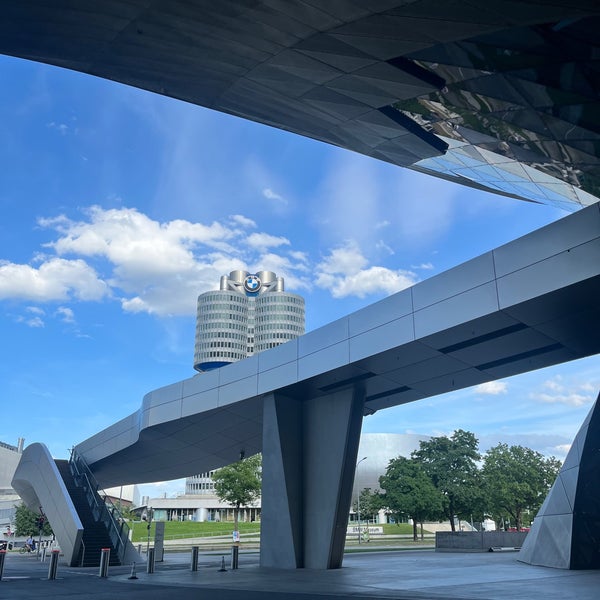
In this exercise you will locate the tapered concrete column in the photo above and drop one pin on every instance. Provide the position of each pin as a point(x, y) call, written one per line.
point(566, 530)
point(309, 458)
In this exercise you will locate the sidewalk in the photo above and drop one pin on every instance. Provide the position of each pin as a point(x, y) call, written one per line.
point(412, 574)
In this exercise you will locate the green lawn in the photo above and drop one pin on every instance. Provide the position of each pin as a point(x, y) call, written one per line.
point(398, 529)
point(188, 529)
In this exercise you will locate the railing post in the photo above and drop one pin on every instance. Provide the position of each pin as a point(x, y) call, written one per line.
point(194, 565)
point(150, 561)
point(53, 564)
point(104, 560)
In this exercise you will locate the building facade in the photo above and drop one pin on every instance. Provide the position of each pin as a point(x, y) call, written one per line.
point(249, 313)
point(9, 459)
point(199, 503)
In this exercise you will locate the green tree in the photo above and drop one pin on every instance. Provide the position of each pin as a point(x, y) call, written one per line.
point(239, 484)
point(451, 464)
point(410, 492)
point(370, 503)
point(26, 522)
point(517, 479)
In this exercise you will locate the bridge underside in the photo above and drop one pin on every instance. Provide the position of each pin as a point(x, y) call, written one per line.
point(526, 305)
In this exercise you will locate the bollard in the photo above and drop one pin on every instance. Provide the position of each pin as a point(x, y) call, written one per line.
point(194, 565)
point(222, 569)
point(104, 560)
point(133, 574)
point(235, 550)
point(53, 564)
point(150, 561)
point(43, 557)
point(2, 557)
point(139, 549)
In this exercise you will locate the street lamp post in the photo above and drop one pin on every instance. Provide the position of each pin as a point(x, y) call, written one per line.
point(358, 498)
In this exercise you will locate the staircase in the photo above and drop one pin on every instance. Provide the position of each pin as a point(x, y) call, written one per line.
point(95, 535)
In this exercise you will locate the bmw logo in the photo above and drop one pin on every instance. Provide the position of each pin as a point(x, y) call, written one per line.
point(252, 284)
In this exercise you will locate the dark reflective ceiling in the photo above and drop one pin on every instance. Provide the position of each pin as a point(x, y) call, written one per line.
point(519, 110)
point(500, 96)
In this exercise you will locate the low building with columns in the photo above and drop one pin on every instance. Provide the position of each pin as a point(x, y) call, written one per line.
point(200, 503)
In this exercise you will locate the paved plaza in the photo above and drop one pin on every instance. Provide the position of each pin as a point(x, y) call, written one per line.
point(414, 574)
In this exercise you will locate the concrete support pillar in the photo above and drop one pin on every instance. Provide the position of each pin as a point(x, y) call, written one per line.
point(309, 458)
point(566, 530)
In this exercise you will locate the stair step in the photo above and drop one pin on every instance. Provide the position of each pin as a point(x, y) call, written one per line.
point(95, 536)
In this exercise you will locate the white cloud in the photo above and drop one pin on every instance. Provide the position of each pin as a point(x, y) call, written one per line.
point(562, 449)
point(65, 314)
point(134, 242)
point(492, 388)
point(33, 322)
point(54, 279)
point(345, 273)
point(36, 310)
point(271, 195)
point(344, 260)
point(554, 385)
point(299, 256)
point(243, 221)
point(382, 224)
point(263, 241)
point(284, 266)
point(62, 128)
point(423, 266)
point(568, 399)
point(559, 390)
point(136, 305)
point(161, 267)
point(381, 245)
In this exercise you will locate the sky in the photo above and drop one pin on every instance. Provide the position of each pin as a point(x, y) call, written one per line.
point(118, 207)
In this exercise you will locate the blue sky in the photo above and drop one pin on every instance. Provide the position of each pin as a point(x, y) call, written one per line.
point(119, 207)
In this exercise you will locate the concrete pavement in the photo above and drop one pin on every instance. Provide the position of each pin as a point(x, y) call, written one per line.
point(414, 574)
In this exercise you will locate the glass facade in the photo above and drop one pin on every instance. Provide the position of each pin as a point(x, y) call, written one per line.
point(518, 112)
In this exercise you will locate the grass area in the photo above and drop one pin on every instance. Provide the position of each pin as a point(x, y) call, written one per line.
point(397, 528)
point(190, 529)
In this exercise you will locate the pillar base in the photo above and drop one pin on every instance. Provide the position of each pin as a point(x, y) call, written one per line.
point(309, 458)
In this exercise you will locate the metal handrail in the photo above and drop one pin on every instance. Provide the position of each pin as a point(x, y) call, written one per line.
point(82, 554)
point(118, 530)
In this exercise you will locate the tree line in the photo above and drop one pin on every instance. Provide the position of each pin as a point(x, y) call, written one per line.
point(448, 478)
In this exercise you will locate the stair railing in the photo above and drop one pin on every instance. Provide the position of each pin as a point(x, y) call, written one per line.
point(103, 509)
point(82, 554)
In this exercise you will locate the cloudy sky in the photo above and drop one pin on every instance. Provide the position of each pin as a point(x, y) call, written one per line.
point(119, 207)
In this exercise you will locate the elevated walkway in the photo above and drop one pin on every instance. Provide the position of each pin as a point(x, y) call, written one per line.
point(526, 305)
